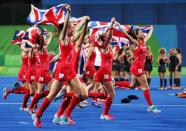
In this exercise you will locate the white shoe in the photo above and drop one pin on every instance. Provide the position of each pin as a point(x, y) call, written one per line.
point(153, 109)
point(82, 104)
point(106, 117)
point(23, 109)
point(56, 119)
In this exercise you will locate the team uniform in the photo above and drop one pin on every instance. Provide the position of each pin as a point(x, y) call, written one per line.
point(65, 67)
point(172, 63)
point(177, 80)
point(162, 69)
point(32, 66)
point(23, 69)
point(43, 75)
point(138, 63)
point(176, 63)
point(162, 65)
point(104, 73)
point(148, 63)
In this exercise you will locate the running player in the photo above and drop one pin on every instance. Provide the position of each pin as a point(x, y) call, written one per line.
point(20, 89)
point(137, 68)
point(43, 76)
point(64, 72)
point(103, 75)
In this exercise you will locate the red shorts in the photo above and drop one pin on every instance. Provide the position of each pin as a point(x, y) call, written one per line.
point(90, 71)
point(30, 75)
point(43, 76)
point(22, 74)
point(22, 77)
point(64, 73)
point(137, 71)
point(102, 76)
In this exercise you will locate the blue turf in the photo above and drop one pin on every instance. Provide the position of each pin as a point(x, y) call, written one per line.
point(129, 117)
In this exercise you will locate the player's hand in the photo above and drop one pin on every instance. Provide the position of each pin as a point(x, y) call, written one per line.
point(113, 20)
point(68, 7)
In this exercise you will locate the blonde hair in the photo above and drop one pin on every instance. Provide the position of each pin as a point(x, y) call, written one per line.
point(162, 52)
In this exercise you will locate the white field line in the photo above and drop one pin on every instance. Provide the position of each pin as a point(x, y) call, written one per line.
point(161, 105)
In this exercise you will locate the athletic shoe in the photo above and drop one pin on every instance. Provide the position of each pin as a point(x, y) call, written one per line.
point(5, 93)
point(32, 111)
point(23, 109)
point(165, 88)
point(161, 88)
point(56, 119)
point(153, 109)
point(59, 96)
point(176, 88)
point(66, 121)
point(82, 104)
point(37, 123)
point(106, 117)
point(33, 116)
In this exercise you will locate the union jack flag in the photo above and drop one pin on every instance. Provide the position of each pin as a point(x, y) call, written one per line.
point(145, 29)
point(54, 15)
point(18, 37)
point(118, 37)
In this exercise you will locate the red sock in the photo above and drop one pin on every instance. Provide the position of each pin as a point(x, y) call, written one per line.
point(73, 102)
point(122, 84)
point(146, 94)
point(35, 99)
point(19, 90)
point(108, 104)
point(96, 94)
point(45, 93)
point(25, 100)
point(64, 104)
point(43, 107)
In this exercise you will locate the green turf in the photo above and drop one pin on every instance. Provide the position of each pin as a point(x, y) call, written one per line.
point(9, 70)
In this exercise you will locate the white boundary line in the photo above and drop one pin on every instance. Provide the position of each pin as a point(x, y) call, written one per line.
point(12, 103)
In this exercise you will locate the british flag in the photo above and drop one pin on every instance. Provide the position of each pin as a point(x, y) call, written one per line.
point(18, 37)
point(54, 15)
point(145, 29)
point(118, 37)
point(27, 39)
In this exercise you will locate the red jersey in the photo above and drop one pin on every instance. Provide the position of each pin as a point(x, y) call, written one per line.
point(138, 63)
point(104, 72)
point(106, 61)
point(44, 60)
point(24, 63)
point(67, 55)
point(23, 69)
point(140, 56)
